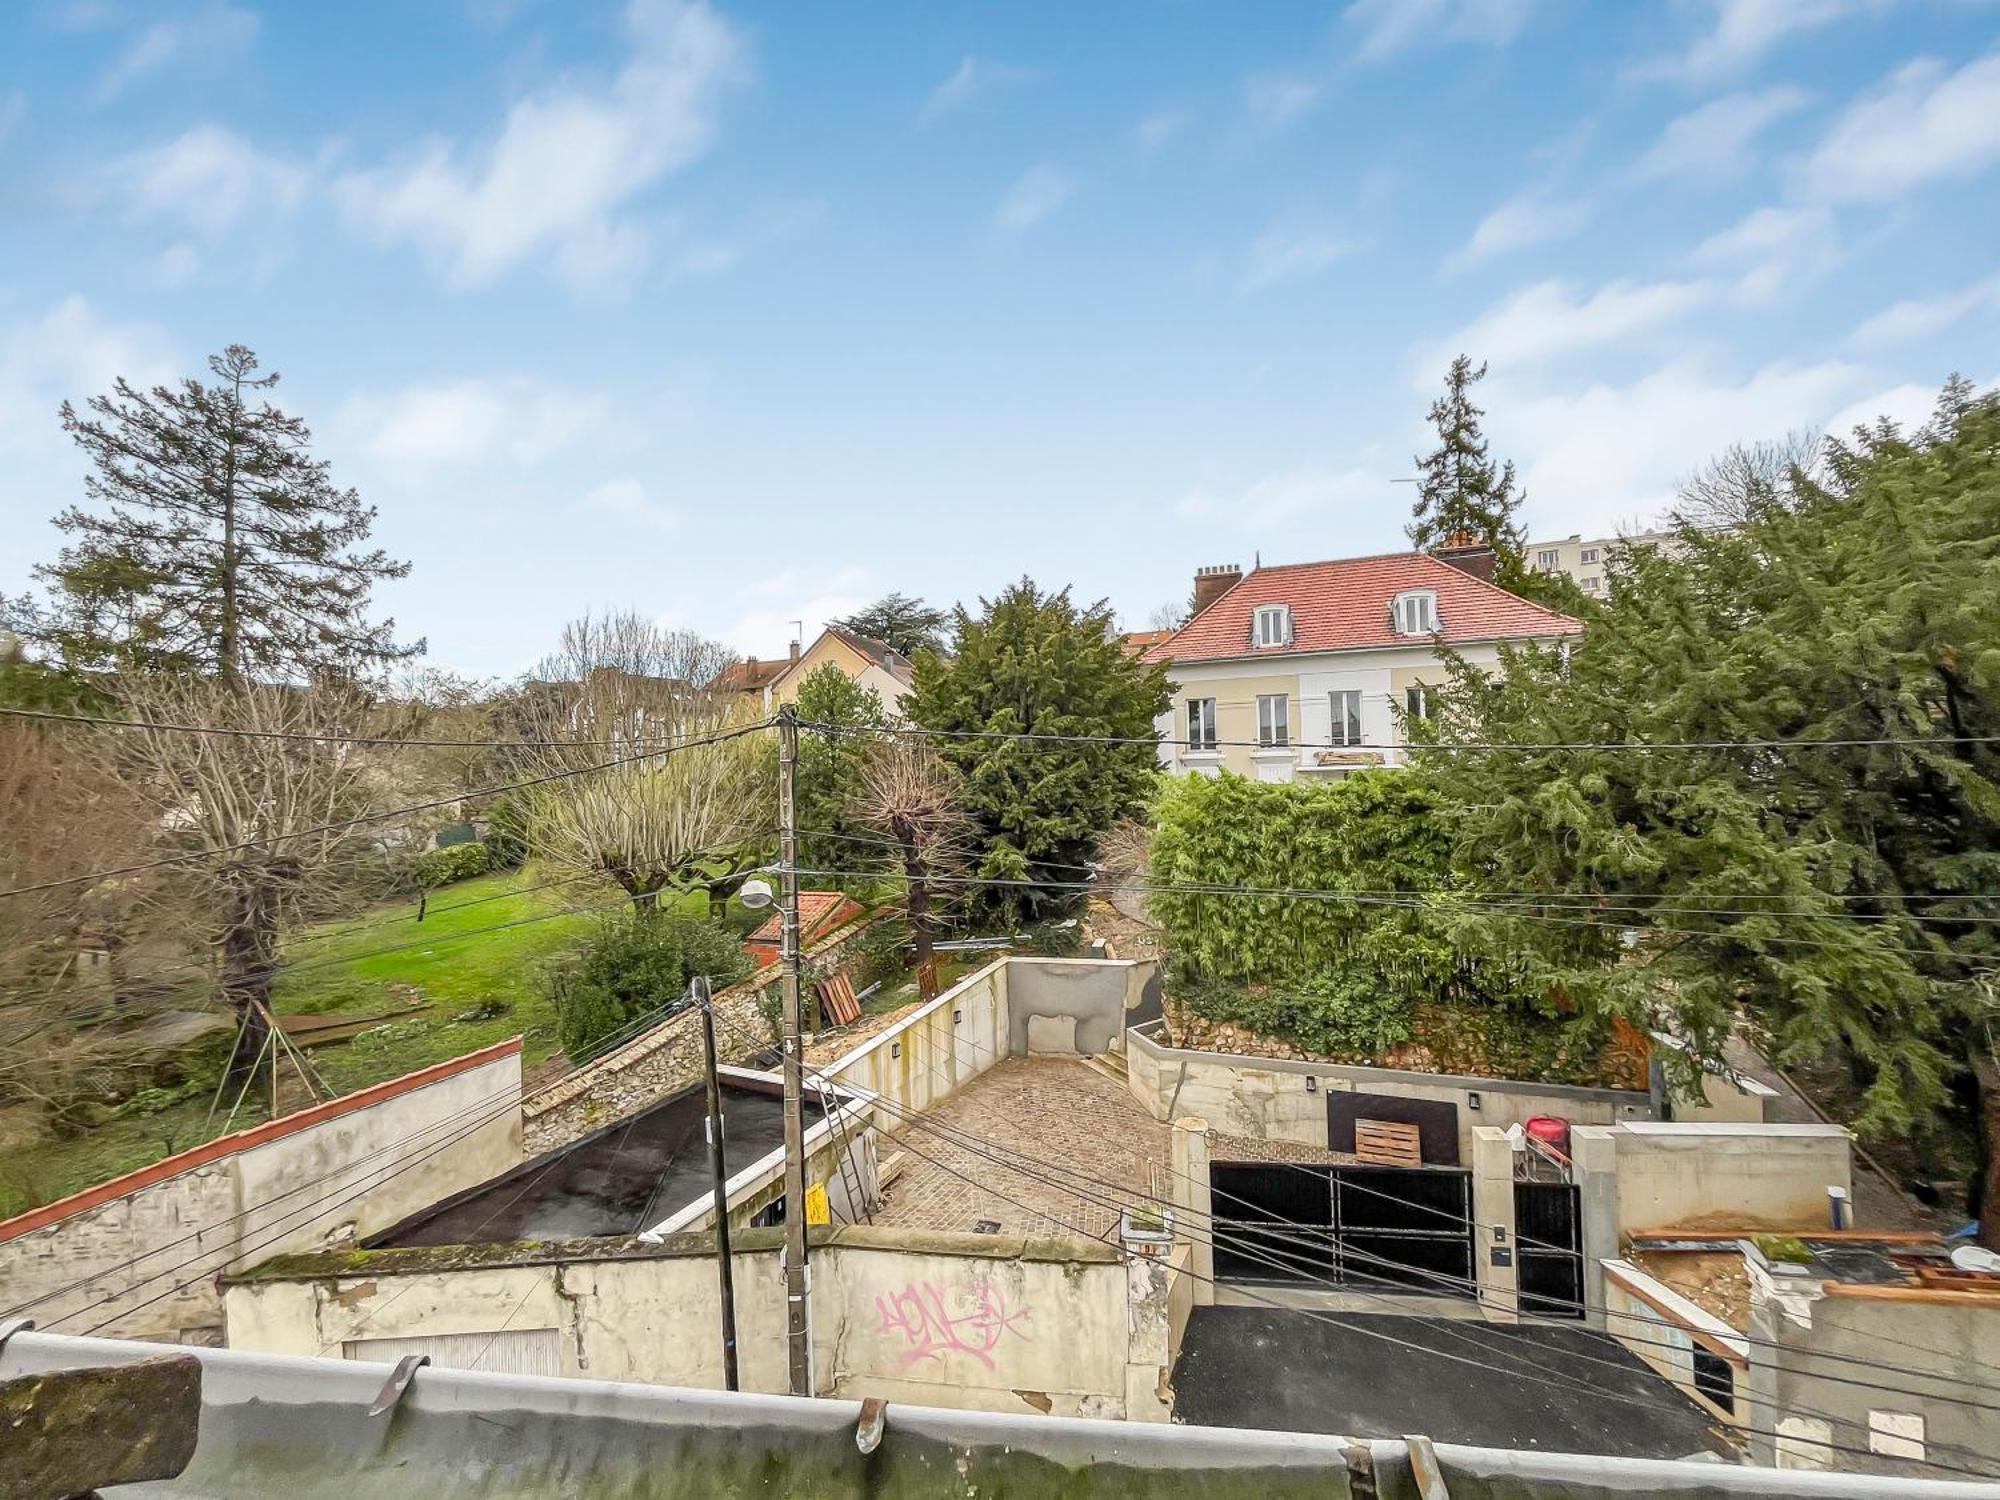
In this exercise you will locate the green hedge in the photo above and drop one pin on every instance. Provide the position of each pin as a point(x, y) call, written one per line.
point(450, 865)
point(633, 965)
point(1344, 968)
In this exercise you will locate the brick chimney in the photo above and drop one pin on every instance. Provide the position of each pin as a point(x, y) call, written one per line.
point(1212, 582)
point(1467, 553)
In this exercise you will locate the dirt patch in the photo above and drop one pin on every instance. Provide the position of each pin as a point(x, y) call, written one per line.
point(1715, 1281)
point(831, 1046)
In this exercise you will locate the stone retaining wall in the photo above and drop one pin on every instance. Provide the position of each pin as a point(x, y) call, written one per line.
point(668, 1058)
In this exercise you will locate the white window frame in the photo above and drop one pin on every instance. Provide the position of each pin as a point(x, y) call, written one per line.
point(1549, 560)
point(1588, 555)
point(1274, 721)
point(1344, 717)
point(1589, 585)
point(1271, 626)
point(1201, 735)
point(1415, 612)
point(1419, 703)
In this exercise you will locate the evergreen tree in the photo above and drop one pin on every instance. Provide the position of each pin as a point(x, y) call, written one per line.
point(909, 625)
point(1462, 493)
point(216, 542)
point(1842, 894)
point(1035, 663)
point(829, 777)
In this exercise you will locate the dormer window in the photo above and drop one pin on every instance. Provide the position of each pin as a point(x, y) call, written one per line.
point(1415, 612)
point(1274, 625)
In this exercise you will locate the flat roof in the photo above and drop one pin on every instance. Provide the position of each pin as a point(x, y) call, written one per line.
point(631, 1174)
point(1377, 1375)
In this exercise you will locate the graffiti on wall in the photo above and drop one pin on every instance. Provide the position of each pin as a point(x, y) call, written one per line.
point(933, 1325)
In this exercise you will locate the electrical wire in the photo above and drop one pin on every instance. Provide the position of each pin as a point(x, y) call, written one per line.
point(379, 817)
point(105, 721)
point(1466, 746)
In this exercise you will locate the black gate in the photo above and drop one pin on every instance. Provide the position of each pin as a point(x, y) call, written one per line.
point(1548, 1249)
point(1404, 1227)
point(1409, 1228)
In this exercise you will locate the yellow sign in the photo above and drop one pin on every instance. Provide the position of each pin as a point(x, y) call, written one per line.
point(818, 1210)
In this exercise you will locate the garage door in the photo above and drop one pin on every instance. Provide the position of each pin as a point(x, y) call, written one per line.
point(1407, 1228)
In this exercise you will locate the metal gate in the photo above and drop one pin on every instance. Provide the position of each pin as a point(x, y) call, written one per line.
point(1548, 1249)
point(1409, 1228)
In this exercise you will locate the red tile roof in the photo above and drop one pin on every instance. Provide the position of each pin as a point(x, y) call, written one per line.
point(753, 675)
point(819, 913)
point(1138, 642)
point(1344, 606)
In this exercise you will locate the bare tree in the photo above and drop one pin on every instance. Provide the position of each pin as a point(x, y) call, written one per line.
point(697, 814)
point(909, 794)
point(251, 800)
point(1743, 479)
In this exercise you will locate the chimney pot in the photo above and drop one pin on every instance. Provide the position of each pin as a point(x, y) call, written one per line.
point(795, 650)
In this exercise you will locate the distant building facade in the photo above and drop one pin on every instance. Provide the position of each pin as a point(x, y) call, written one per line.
point(1584, 561)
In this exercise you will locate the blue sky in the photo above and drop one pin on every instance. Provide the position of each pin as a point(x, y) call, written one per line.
point(741, 315)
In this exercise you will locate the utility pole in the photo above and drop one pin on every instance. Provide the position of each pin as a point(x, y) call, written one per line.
point(798, 1281)
point(719, 1171)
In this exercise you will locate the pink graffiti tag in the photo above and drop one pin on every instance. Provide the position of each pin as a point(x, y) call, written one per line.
point(920, 1315)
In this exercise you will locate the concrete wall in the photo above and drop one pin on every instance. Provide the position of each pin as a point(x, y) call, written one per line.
point(153, 1240)
point(1268, 1098)
point(1950, 1341)
point(968, 1321)
point(1081, 1002)
point(1694, 1176)
point(667, 1058)
point(1664, 1328)
point(936, 1050)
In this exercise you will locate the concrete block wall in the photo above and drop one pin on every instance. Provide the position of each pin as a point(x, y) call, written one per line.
point(973, 1322)
point(137, 1257)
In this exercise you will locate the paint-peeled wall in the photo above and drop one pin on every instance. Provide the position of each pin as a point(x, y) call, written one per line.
point(137, 1257)
point(970, 1321)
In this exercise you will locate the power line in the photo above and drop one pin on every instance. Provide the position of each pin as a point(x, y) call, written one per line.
point(106, 721)
point(379, 817)
point(1501, 747)
point(1601, 901)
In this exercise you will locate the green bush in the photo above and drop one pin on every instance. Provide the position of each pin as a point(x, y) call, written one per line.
point(880, 954)
point(631, 966)
point(450, 865)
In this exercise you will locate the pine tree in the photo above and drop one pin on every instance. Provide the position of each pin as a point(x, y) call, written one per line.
point(908, 625)
point(216, 543)
point(1035, 663)
point(1462, 493)
point(829, 776)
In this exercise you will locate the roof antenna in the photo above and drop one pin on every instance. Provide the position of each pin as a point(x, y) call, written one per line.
point(1256, 560)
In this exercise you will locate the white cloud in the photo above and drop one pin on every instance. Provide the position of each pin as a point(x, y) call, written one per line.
point(971, 80)
point(208, 177)
point(1390, 26)
point(1923, 123)
point(1036, 194)
point(473, 422)
point(210, 36)
point(1908, 406)
point(1593, 458)
point(1278, 498)
point(1744, 30)
point(1284, 254)
point(70, 352)
point(1526, 219)
point(1275, 102)
point(1552, 318)
point(1772, 251)
point(1158, 128)
point(1919, 317)
point(627, 500)
point(809, 596)
point(1714, 141)
point(568, 161)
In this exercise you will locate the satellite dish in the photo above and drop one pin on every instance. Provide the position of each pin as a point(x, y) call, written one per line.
point(1975, 1258)
point(756, 893)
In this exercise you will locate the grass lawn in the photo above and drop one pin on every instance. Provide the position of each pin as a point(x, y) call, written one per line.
point(476, 958)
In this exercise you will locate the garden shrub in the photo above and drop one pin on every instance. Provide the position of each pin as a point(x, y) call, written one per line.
point(1345, 970)
point(634, 964)
point(448, 866)
point(507, 831)
point(879, 955)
